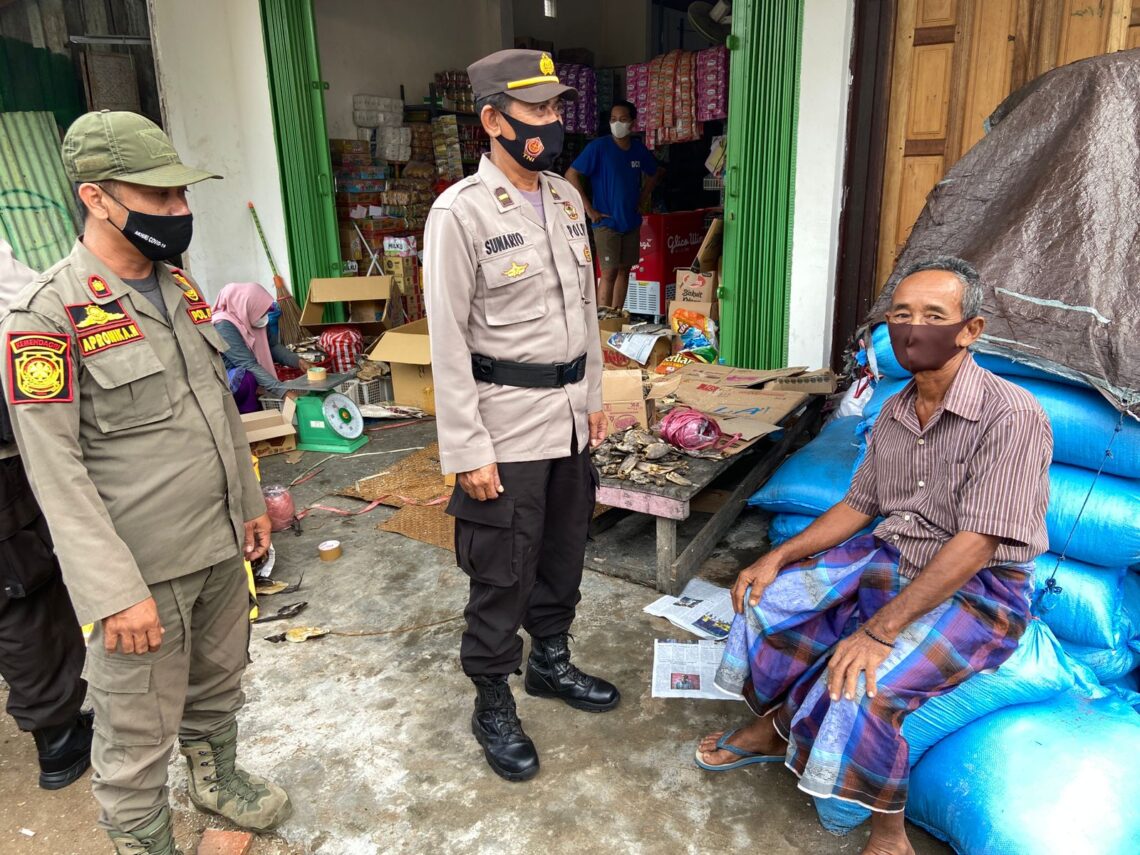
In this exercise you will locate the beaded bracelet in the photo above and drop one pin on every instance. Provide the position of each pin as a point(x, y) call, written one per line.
point(874, 637)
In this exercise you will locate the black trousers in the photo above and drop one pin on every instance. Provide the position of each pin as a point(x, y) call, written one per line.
point(524, 553)
point(41, 643)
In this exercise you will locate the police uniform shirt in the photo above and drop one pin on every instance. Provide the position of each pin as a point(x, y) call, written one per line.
point(128, 431)
point(500, 283)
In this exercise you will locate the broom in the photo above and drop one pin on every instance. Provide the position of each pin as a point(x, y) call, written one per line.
point(289, 325)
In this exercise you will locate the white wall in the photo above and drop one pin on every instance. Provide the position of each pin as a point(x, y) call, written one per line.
point(617, 31)
point(214, 84)
point(373, 47)
point(825, 83)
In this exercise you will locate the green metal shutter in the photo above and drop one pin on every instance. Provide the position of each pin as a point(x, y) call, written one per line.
point(302, 141)
point(760, 180)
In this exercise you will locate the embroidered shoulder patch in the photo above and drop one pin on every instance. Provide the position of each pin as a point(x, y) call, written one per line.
point(100, 328)
point(97, 285)
point(39, 368)
point(197, 308)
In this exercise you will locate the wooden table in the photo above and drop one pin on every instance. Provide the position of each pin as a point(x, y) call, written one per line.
point(671, 504)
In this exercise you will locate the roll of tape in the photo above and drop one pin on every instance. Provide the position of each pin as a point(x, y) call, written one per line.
point(329, 550)
point(317, 375)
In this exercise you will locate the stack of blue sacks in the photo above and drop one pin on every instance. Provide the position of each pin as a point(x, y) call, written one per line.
point(1043, 755)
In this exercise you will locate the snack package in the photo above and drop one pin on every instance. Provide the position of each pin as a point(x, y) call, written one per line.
point(696, 330)
point(672, 363)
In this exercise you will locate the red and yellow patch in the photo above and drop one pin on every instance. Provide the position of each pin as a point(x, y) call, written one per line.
point(99, 328)
point(571, 211)
point(97, 285)
point(533, 148)
point(586, 253)
point(197, 308)
point(39, 368)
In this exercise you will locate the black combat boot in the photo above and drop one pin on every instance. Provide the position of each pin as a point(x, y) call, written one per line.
point(551, 674)
point(496, 726)
point(65, 751)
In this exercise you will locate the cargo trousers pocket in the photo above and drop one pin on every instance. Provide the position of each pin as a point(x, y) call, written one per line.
point(127, 712)
point(484, 538)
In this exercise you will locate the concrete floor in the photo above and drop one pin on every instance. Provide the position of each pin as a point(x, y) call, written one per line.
point(371, 734)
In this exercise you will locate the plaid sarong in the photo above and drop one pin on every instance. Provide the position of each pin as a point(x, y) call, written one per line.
point(776, 655)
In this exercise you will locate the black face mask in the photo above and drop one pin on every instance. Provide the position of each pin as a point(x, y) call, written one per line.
point(157, 236)
point(534, 147)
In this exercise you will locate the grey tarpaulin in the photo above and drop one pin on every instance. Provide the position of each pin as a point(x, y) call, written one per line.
point(1047, 207)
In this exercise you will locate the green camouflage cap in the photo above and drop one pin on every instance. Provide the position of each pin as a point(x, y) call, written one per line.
point(124, 146)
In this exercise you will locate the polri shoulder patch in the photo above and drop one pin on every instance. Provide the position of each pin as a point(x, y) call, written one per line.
point(97, 285)
point(39, 368)
point(197, 308)
point(100, 328)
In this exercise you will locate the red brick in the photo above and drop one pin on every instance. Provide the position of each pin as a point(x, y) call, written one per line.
point(215, 842)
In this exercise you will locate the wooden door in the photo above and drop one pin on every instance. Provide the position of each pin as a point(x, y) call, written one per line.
point(953, 62)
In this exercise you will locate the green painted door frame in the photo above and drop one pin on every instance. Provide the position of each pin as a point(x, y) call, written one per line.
point(297, 94)
point(760, 181)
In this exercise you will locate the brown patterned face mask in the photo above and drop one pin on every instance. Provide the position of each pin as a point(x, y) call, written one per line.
point(925, 347)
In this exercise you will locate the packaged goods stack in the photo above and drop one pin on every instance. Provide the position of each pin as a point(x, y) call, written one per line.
point(454, 90)
point(422, 150)
point(473, 144)
point(401, 262)
point(445, 143)
point(581, 116)
point(1074, 673)
point(637, 92)
point(375, 111)
point(607, 89)
point(358, 181)
point(712, 84)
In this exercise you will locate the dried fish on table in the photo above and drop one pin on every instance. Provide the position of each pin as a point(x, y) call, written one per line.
point(657, 450)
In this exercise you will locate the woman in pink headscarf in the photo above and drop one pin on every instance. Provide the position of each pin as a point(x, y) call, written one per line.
point(241, 318)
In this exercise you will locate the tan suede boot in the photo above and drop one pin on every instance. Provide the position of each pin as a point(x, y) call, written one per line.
point(219, 786)
point(154, 838)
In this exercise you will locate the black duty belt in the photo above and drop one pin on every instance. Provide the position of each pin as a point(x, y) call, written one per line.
point(532, 375)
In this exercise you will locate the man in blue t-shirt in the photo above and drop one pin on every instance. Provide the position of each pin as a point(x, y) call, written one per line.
point(615, 166)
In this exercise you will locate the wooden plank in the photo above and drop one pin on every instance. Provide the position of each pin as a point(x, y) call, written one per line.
point(1022, 54)
point(919, 175)
point(1084, 29)
point(689, 562)
point(930, 92)
point(925, 148)
point(903, 53)
point(606, 520)
point(991, 66)
point(1119, 21)
point(709, 501)
point(959, 76)
point(643, 503)
point(1133, 38)
point(666, 554)
point(1046, 29)
point(935, 13)
point(934, 36)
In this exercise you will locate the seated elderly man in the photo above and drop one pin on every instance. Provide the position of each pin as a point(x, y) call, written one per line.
point(842, 637)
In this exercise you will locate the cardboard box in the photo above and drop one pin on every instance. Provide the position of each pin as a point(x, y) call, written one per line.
point(709, 253)
point(614, 359)
point(365, 298)
point(408, 350)
point(271, 431)
point(820, 382)
point(623, 400)
point(696, 287)
point(402, 267)
point(718, 375)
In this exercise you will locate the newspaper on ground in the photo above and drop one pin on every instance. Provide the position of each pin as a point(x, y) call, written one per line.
point(685, 669)
point(703, 609)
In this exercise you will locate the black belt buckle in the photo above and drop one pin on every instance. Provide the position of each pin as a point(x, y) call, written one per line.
point(482, 366)
point(571, 372)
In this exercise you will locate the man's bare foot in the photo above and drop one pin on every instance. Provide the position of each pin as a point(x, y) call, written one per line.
point(888, 835)
point(758, 736)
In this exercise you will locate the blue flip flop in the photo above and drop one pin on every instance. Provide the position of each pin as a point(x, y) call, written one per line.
point(747, 758)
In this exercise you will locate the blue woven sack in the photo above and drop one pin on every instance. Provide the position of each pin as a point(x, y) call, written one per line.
point(815, 477)
point(1108, 531)
point(1040, 779)
point(1094, 606)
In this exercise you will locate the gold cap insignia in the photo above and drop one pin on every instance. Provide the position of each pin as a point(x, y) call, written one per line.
point(546, 64)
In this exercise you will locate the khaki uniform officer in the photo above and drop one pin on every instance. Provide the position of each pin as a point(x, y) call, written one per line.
point(137, 455)
point(517, 361)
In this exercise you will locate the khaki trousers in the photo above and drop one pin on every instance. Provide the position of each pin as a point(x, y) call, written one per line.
point(190, 687)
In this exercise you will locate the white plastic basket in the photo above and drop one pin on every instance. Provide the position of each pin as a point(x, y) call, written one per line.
point(272, 403)
point(643, 298)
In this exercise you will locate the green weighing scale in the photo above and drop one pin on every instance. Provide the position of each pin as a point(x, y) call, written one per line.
point(326, 420)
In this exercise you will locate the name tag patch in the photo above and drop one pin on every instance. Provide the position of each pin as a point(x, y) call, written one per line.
point(501, 243)
point(39, 368)
point(100, 328)
point(575, 231)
